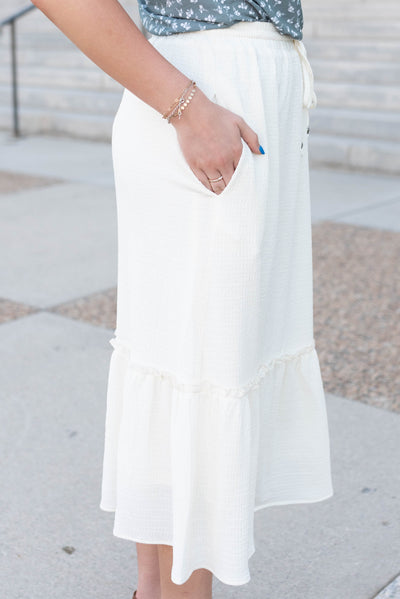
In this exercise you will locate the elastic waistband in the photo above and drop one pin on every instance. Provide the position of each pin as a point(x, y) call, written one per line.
point(262, 30)
point(267, 30)
point(252, 29)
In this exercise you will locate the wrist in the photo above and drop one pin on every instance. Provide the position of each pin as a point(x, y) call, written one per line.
point(192, 111)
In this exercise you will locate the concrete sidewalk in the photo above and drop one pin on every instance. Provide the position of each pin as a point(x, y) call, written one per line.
point(57, 308)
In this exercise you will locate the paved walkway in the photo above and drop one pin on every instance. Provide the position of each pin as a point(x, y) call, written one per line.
point(57, 309)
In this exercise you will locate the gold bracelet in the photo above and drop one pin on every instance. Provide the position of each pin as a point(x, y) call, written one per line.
point(164, 116)
point(180, 101)
point(182, 105)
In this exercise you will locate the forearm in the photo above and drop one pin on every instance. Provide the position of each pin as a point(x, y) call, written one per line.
point(104, 32)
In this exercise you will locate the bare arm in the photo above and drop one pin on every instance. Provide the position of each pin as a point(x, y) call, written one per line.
point(104, 32)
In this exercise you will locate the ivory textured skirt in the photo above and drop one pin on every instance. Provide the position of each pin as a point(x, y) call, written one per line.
point(215, 403)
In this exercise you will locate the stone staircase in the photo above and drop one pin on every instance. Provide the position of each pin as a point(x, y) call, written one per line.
point(61, 91)
point(354, 50)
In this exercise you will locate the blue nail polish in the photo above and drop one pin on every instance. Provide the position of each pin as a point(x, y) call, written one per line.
point(261, 150)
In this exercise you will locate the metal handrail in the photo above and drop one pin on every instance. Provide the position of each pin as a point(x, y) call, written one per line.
point(11, 21)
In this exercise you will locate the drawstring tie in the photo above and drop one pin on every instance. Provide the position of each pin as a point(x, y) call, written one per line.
point(309, 96)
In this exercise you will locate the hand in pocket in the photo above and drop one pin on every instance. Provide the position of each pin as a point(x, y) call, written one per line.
point(210, 137)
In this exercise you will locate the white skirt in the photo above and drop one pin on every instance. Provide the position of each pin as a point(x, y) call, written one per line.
point(215, 403)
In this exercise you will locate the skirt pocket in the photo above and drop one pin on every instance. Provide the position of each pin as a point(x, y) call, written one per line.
point(233, 182)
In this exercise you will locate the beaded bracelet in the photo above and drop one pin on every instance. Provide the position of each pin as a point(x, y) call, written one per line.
point(180, 103)
point(177, 100)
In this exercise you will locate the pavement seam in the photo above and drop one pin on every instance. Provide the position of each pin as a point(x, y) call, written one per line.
point(386, 591)
point(379, 204)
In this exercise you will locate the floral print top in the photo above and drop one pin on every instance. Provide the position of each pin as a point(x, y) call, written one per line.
point(165, 17)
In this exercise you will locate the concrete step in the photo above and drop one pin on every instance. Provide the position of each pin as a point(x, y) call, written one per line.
point(48, 38)
point(357, 95)
point(343, 29)
point(331, 27)
point(8, 7)
point(368, 124)
point(344, 4)
point(64, 100)
point(355, 71)
point(39, 57)
point(352, 49)
point(329, 62)
point(354, 153)
point(91, 77)
point(317, 48)
point(353, 10)
point(353, 13)
point(60, 77)
point(335, 95)
point(82, 126)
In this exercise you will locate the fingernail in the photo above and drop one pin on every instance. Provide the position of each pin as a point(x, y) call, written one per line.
point(261, 150)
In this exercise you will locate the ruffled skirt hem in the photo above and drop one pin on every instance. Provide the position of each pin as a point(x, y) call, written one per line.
point(188, 465)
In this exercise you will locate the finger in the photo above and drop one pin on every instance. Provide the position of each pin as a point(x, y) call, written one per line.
point(216, 186)
point(227, 174)
point(226, 170)
point(250, 137)
point(202, 178)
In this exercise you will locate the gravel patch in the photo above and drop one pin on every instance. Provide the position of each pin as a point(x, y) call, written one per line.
point(10, 310)
point(13, 182)
point(98, 309)
point(357, 311)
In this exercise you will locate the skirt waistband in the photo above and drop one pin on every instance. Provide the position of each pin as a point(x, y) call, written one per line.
point(252, 29)
point(267, 30)
point(263, 30)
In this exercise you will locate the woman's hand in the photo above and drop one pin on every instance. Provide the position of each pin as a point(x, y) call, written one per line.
point(209, 135)
point(210, 138)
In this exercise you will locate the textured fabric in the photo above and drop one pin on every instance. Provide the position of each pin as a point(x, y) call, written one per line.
point(215, 403)
point(166, 17)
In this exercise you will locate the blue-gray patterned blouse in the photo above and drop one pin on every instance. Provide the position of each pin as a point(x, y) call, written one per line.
point(165, 17)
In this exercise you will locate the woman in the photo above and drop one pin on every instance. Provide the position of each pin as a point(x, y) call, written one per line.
point(215, 404)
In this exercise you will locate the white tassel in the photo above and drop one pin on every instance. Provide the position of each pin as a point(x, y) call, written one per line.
point(309, 97)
